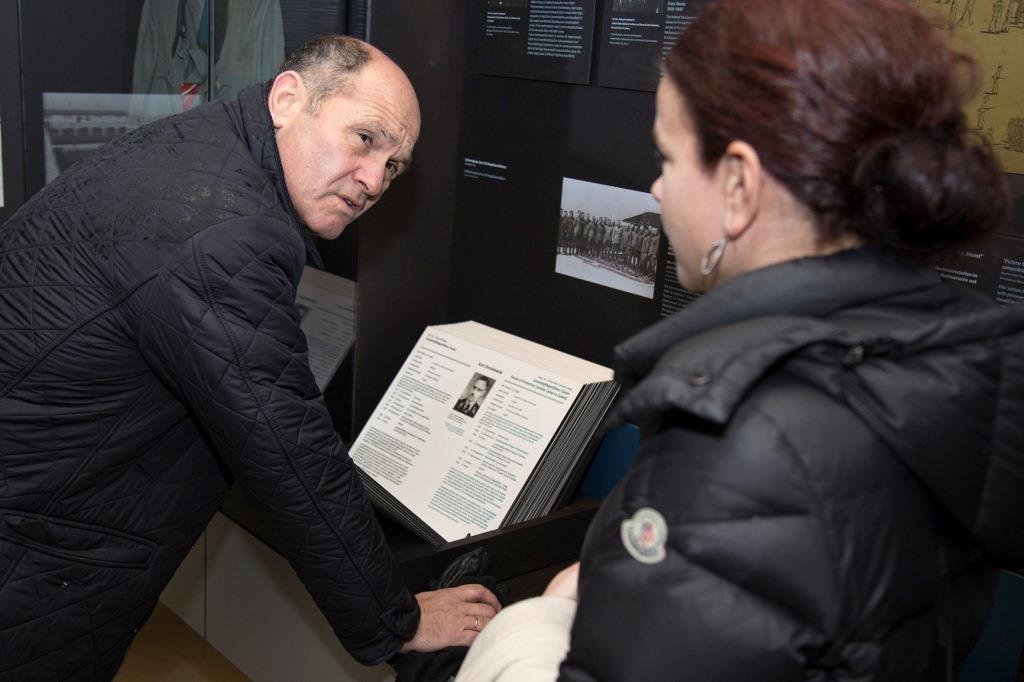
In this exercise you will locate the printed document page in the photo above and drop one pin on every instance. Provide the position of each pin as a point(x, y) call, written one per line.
point(327, 304)
point(459, 431)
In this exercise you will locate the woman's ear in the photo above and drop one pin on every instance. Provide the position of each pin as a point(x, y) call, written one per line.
point(742, 184)
point(288, 96)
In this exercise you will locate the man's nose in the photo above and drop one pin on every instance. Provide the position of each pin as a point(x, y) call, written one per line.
point(371, 177)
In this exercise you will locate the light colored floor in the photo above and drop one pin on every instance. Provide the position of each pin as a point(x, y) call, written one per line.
point(168, 650)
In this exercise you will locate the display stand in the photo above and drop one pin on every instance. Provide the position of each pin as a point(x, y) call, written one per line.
point(523, 556)
point(242, 596)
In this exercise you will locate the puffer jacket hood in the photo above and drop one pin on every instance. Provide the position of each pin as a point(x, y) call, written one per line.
point(925, 383)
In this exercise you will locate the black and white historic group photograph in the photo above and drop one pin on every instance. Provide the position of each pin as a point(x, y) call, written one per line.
point(609, 236)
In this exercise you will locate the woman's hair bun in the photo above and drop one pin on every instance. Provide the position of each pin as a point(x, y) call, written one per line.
point(919, 192)
point(855, 107)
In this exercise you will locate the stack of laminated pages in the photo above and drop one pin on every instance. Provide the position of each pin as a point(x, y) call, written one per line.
point(481, 430)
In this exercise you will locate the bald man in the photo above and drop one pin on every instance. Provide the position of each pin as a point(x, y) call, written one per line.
point(151, 355)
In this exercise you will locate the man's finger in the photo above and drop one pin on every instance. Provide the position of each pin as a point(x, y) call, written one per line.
point(466, 638)
point(478, 593)
point(480, 609)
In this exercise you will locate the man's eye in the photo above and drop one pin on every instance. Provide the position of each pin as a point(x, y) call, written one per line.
point(392, 168)
point(367, 139)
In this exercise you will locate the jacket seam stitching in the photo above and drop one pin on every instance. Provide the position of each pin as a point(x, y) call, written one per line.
point(70, 331)
point(63, 489)
point(815, 501)
point(271, 422)
point(990, 460)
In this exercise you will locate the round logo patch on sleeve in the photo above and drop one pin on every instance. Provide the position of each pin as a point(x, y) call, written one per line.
point(644, 535)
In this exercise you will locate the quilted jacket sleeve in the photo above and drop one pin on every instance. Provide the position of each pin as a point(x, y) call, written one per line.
point(221, 329)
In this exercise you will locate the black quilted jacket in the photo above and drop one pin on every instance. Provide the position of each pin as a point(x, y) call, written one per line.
point(836, 446)
point(150, 352)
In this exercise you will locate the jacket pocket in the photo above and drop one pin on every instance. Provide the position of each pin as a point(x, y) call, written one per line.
point(71, 594)
point(75, 542)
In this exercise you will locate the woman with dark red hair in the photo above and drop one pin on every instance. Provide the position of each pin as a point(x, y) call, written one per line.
point(833, 456)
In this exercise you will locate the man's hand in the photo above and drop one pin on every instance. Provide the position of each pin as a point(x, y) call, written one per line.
point(565, 584)
point(452, 617)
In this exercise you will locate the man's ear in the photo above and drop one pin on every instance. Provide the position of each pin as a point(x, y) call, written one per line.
point(742, 184)
point(288, 96)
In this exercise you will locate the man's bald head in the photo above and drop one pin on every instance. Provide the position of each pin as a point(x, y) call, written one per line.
point(346, 121)
point(326, 63)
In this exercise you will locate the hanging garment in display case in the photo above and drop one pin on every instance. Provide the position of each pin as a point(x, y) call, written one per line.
point(178, 42)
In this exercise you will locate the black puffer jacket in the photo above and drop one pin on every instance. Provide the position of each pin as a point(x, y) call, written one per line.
point(150, 351)
point(836, 446)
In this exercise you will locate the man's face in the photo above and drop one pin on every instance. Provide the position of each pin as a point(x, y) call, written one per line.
point(479, 388)
point(339, 161)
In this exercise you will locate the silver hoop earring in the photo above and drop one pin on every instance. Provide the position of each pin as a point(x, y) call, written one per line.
point(712, 258)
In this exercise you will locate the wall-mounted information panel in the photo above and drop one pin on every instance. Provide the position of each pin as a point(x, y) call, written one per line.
point(556, 236)
point(543, 39)
point(636, 37)
point(995, 266)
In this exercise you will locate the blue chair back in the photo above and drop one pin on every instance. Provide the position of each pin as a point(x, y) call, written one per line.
point(999, 654)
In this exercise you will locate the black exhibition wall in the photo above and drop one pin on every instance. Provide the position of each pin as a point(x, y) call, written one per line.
point(530, 108)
